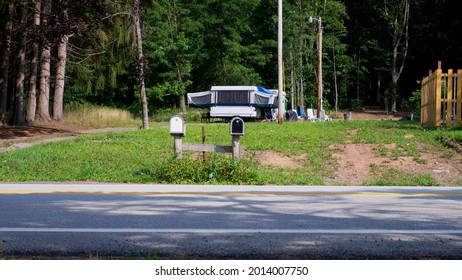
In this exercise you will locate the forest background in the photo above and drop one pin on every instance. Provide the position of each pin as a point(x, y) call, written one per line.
point(58, 53)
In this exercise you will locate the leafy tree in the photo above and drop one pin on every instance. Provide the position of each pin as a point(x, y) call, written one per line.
point(396, 14)
point(301, 55)
point(192, 45)
point(170, 45)
point(226, 57)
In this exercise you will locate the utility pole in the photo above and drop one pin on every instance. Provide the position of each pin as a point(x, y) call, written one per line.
point(280, 67)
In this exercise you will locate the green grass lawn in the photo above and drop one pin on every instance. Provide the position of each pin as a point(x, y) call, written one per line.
point(147, 156)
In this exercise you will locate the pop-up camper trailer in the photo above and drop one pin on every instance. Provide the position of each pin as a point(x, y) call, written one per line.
point(231, 101)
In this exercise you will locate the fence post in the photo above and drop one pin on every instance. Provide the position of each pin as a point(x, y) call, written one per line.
point(439, 80)
point(423, 102)
point(459, 97)
point(449, 122)
point(178, 146)
point(441, 101)
point(235, 145)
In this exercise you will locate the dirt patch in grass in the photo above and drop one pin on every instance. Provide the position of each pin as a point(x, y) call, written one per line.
point(279, 160)
point(376, 113)
point(359, 163)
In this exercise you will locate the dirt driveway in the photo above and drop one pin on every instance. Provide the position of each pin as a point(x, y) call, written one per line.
point(17, 137)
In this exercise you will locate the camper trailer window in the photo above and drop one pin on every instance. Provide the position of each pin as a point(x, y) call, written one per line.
point(233, 97)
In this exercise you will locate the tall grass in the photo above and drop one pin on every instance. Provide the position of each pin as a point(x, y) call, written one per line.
point(191, 115)
point(98, 117)
point(215, 169)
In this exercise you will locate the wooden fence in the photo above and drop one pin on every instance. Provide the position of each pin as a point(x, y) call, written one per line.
point(441, 99)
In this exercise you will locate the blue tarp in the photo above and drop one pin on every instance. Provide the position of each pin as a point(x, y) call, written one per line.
point(262, 89)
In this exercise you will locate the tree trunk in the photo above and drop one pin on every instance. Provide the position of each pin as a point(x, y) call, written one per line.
point(5, 63)
point(399, 33)
point(43, 110)
point(358, 72)
point(335, 78)
point(32, 98)
point(139, 40)
point(60, 77)
point(292, 77)
point(18, 113)
point(394, 79)
point(300, 61)
point(180, 81)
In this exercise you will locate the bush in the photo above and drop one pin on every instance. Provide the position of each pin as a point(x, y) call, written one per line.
point(413, 104)
point(216, 169)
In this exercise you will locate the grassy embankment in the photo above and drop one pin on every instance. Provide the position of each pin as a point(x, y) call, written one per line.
point(146, 156)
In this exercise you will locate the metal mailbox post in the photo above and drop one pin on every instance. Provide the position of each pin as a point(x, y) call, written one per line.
point(236, 129)
point(178, 131)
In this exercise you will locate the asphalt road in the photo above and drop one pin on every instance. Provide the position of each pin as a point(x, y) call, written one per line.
point(66, 221)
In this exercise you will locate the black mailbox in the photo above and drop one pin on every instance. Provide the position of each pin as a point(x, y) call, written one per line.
point(236, 126)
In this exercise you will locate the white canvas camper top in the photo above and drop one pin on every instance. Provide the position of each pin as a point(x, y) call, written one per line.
point(243, 88)
point(230, 101)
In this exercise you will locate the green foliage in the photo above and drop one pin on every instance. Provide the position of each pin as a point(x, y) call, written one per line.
point(301, 58)
point(356, 105)
point(228, 51)
point(103, 62)
point(164, 115)
point(216, 169)
point(169, 48)
point(393, 177)
point(414, 102)
point(192, 45)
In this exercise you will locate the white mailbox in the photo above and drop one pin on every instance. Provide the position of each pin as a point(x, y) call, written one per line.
point(177, 126)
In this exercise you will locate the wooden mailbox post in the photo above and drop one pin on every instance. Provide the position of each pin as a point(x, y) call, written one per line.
point(236, 129)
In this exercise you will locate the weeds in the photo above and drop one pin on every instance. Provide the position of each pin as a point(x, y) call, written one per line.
point(98, 117)
point(6, 144)
point(392, 177)
point(215, 169)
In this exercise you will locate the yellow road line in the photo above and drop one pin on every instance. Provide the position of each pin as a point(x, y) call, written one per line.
point(237, 194)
